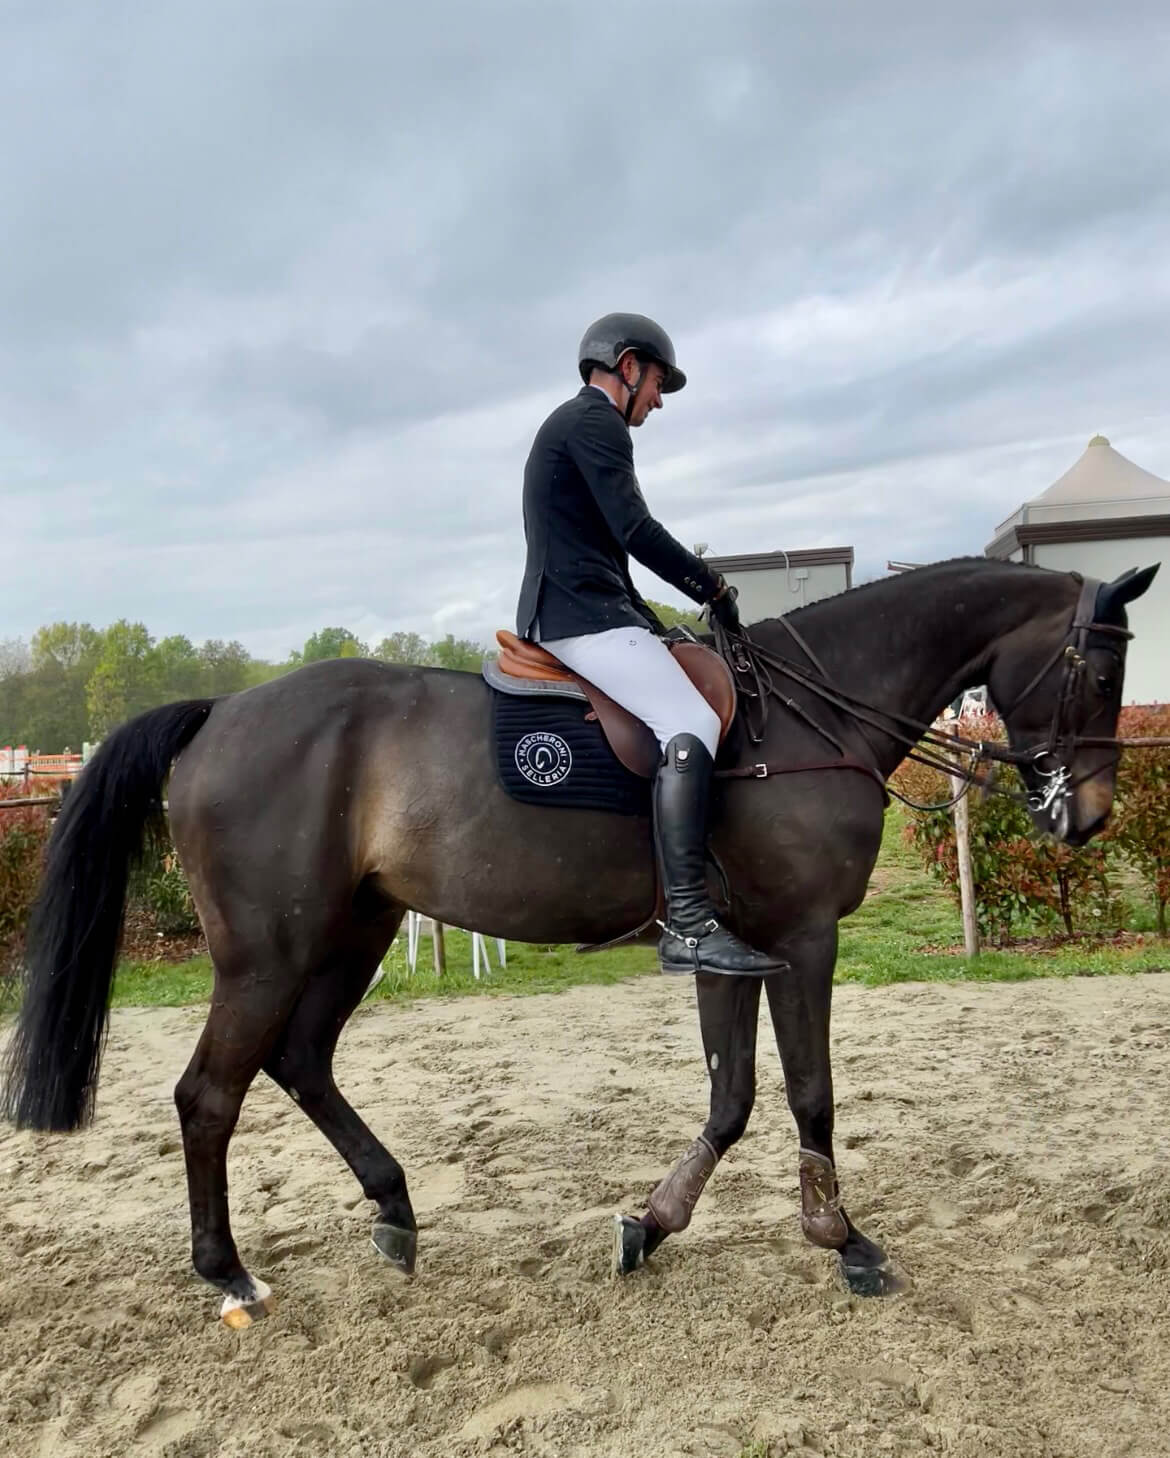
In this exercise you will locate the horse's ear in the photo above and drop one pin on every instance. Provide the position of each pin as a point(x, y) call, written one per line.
point(1130, 585)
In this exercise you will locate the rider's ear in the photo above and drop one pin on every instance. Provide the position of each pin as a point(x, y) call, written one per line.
point(1126, 588)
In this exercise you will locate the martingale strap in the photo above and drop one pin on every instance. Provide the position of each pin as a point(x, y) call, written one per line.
point(766, 771)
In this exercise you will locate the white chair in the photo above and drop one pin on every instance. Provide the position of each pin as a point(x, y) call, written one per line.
point(479, 949)
point(480, 959)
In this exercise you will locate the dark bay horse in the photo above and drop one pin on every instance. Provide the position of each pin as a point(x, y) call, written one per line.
point(311, 812)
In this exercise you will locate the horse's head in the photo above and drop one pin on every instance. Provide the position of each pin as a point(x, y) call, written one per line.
point(1057, 682)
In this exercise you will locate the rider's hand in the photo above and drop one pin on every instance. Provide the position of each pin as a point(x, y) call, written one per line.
point(723, 610)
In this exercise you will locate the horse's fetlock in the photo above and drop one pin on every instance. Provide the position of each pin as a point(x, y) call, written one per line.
point(213, 1260)
point(395, 1210)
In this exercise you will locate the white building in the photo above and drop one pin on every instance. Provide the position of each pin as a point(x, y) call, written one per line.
point(1100, 518)
point(772, 583)
point(13, 761)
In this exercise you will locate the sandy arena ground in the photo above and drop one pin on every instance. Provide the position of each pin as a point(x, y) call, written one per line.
point(1008, 1144)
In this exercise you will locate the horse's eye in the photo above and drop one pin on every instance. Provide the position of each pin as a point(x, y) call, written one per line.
point(1106, 685)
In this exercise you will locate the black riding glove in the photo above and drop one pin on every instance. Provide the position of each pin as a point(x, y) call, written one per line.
point(723, 610)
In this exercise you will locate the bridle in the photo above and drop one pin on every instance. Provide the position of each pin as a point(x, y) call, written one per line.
point(1064, 736)
point(753, 668)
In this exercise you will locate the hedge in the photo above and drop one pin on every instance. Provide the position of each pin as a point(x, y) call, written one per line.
point(24, 833)
point(1141, 830)
point(158, 887)
point(1023, 877)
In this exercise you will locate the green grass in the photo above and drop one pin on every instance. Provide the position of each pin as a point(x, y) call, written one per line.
point(881, 943)
point(530, 969)
point(163, 984)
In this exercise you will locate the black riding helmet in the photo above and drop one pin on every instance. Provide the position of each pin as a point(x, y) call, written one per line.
point(611, 336)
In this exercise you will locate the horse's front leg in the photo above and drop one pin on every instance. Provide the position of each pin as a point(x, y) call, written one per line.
point(728, 1018)
point(799, 1001)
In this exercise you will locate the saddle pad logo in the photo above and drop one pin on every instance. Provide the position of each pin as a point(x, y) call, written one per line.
point(543, 759)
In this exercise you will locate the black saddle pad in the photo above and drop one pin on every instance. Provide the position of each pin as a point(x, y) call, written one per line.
point(547, 753)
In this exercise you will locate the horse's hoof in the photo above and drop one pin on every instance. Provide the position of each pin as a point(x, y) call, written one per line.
point(238, 1312)
point(883, 1280)
point(400, 1247)
point(629, 1245)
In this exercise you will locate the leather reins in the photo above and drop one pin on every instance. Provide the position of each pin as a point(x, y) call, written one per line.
point(752, 667)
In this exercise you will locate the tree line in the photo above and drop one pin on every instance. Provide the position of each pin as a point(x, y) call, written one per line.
point(74, 682)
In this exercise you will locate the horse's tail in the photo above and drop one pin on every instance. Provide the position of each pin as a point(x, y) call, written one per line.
point(51, 1065)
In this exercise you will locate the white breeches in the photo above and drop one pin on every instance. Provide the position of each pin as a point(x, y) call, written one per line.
point(638, 671)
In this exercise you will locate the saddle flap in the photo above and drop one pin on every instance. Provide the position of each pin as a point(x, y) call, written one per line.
point(634, 742)
point(712, 677)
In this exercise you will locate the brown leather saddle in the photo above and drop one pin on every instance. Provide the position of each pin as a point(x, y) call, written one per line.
point(527, 668)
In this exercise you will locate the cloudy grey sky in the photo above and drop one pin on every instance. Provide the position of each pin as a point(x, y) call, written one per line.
point(286, 288)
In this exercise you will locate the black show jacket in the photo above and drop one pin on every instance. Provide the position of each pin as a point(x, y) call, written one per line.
point(584, 517)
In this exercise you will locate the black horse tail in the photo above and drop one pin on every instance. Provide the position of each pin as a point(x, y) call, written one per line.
point(51, 1065)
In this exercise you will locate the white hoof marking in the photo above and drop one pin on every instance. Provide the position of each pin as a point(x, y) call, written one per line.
point(239, 1311)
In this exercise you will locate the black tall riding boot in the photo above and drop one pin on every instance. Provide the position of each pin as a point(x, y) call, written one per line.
point(693, 940)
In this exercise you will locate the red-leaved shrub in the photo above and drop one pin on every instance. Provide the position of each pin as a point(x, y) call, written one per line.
point(24, 833)
point(1140, 827)
point(1019, 877)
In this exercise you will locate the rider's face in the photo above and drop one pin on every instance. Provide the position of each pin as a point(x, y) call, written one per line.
point(649, 393)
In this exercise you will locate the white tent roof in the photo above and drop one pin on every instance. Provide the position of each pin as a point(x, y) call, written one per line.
point(1101, 485)
point(1103, 474)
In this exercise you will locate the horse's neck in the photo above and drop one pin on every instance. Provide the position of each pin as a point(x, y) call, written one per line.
point(912, 644)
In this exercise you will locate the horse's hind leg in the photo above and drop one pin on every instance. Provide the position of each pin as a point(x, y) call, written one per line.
point(301, 1062)
point(728, 1018)
point(248, 1009)
point(799, 1002)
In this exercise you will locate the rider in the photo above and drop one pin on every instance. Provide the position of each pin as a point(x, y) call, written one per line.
point(584, 517)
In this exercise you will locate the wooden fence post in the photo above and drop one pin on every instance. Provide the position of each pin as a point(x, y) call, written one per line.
point(961, 814)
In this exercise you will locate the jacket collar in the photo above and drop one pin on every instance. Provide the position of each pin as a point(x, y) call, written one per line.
point(589, 390)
